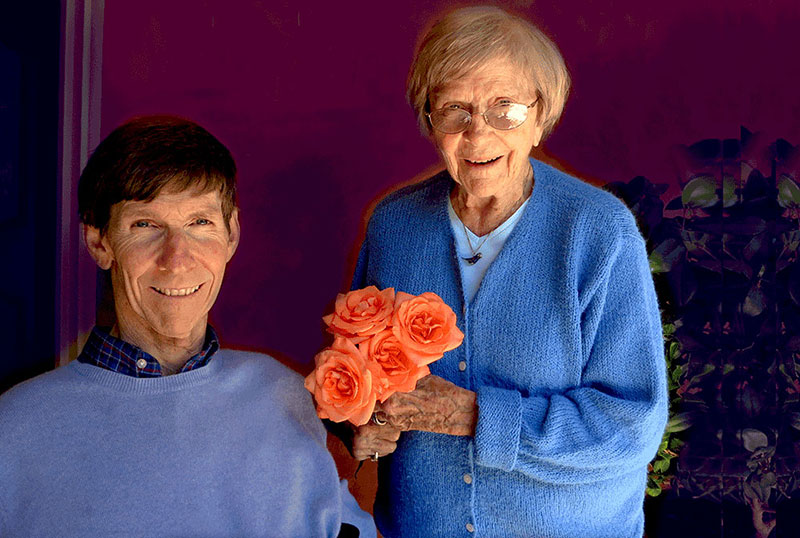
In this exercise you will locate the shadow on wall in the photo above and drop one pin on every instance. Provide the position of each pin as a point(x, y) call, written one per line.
point(293, 205)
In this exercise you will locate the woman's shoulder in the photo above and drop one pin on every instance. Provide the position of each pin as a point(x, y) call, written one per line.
point(595, 207)
point(427, 194)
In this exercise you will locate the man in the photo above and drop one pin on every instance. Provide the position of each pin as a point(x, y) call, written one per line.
point(155, 430)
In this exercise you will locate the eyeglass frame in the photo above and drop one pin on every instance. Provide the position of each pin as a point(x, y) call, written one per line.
point(483, 114)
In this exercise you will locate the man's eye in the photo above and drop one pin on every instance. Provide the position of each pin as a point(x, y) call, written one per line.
point(141, 224)
point(202, 222)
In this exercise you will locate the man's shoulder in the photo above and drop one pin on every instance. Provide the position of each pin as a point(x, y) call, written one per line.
point(265, 383)
point(34, 392)
point(253, 362)
point(262, 372)
point(27, 409)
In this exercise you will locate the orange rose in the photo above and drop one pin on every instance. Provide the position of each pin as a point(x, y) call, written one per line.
point(343, 383)
point(361, 313)
point(425, 326)
point(398, 372)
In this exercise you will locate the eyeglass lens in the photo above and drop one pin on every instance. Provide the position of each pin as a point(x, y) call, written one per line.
point(504, 116)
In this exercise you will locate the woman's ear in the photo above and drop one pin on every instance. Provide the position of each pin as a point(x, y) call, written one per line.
point(98, 246)
point(538, 131)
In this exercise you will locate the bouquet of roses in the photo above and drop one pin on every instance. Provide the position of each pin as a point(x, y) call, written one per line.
point(383, 343)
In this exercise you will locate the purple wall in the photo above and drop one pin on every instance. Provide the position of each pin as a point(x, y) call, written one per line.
point(310, 99)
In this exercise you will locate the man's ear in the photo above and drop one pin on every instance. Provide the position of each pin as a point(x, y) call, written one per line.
point(98, 246)
point(233, 236)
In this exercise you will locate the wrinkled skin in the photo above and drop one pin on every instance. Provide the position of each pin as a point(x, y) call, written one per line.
point(436, 405)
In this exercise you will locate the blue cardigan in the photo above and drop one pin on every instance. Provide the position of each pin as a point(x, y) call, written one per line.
point(563, 347)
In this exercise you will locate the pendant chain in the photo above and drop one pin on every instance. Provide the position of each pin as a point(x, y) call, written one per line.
point(476, 254)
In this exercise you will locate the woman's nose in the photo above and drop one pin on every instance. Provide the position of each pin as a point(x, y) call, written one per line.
point(478, 125)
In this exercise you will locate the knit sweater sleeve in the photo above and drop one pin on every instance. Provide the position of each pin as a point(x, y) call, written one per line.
point(612, 422)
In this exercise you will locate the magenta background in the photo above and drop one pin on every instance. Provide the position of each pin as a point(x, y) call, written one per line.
point(310, 99)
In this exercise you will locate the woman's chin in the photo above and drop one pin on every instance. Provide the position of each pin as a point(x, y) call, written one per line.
point(481, 187)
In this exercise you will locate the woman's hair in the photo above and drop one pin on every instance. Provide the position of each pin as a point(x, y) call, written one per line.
point(143, 156)
point(472, 37)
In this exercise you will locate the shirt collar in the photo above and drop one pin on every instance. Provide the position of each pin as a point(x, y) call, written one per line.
point(114, 354)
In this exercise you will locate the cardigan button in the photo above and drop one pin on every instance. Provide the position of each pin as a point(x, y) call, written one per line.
point(470, 527)
point(462, 365)
point(467, 478)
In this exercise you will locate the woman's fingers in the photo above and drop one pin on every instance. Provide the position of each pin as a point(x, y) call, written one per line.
point(369, 439)
point(365, 435)
point(381, 447)
point(436, 405)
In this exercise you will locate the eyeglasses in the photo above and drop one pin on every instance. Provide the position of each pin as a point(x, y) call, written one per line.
point(503, 116)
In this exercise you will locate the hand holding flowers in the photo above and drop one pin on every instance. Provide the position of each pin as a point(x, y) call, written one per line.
point(383, 343)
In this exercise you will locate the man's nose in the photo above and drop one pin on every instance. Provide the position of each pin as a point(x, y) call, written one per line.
point(176, 254)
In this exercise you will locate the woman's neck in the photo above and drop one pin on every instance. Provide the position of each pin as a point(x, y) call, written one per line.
point(483, 215)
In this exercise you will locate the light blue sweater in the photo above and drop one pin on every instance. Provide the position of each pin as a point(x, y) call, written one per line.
point(563, 346)
point(231, 449)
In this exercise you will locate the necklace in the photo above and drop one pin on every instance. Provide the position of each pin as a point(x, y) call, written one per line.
point(476, 251)
point(476, 255)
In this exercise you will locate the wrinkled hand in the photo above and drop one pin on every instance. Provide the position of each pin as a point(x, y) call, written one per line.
point(436, 405)
point(369, 439)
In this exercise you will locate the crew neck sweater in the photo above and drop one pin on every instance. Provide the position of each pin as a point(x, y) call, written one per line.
point(231, 449)
point(564, 349)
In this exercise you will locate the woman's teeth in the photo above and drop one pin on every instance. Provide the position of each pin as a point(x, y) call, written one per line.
point(173, 292)
point(483, 162)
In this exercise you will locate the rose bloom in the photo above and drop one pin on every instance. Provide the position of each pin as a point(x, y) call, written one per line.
point(361, 313)
point(343, 383)
point(425, 326)
point(398, 372)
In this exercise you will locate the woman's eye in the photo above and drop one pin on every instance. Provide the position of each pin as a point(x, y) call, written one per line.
point(454, 106)
point(141, 224)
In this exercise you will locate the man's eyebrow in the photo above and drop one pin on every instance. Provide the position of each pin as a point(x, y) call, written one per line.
point(135, 209)
point(205, 211)
point(141, 209)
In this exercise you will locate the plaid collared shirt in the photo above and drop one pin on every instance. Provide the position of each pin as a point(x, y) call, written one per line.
point(113, 354)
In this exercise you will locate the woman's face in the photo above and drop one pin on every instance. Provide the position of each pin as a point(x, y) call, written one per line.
point(487, 162)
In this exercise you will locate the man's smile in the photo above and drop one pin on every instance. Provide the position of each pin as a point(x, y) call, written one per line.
point(176, 292)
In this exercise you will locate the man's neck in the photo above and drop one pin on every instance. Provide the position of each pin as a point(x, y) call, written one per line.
point(170, 352)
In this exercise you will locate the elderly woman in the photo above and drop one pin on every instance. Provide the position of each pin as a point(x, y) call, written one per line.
point(543, 422)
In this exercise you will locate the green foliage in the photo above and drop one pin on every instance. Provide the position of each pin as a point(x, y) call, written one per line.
point(661, 470)
point(700, 192)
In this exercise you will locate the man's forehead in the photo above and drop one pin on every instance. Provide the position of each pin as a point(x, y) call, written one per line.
point(191, 200)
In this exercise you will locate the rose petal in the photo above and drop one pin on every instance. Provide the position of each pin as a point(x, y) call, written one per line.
point(425, 326)
point(342, 383)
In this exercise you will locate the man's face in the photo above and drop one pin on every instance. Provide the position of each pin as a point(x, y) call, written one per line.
point(167, 259)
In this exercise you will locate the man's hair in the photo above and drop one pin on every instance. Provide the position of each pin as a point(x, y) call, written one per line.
point(145, 155)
